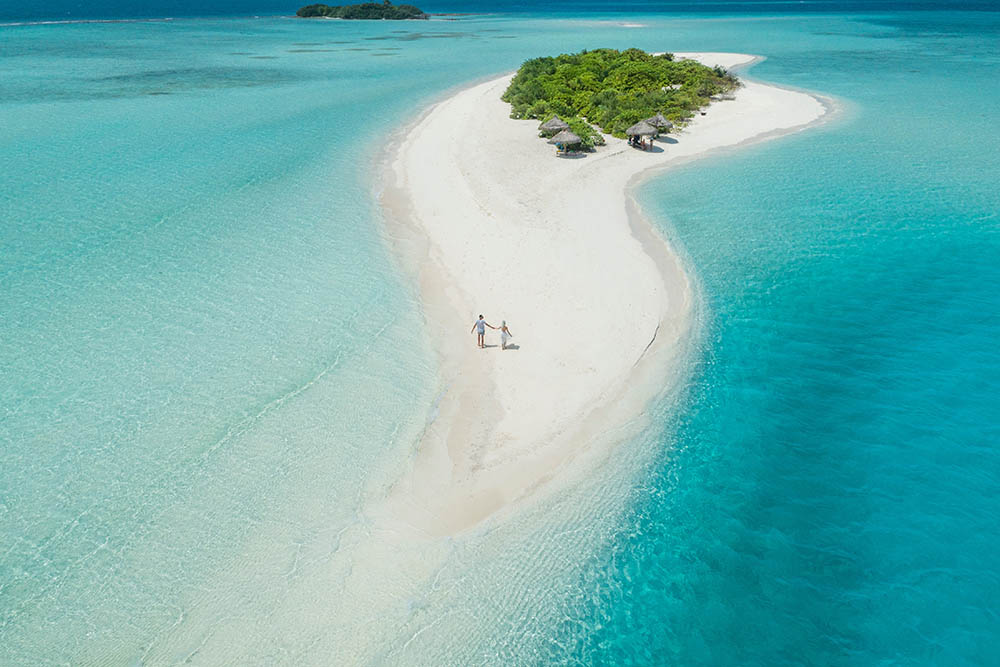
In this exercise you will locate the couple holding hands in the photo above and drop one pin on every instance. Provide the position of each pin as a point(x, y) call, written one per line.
point(480, 328)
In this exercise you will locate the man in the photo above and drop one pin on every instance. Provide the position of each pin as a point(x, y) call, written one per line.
point(480, 328)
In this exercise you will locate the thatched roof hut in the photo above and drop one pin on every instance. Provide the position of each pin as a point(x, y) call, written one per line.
point(553, 125)
point(565, 138)
point(641, 129)
point(660, 122)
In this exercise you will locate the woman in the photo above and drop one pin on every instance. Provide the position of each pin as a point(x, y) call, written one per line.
point(505, 335)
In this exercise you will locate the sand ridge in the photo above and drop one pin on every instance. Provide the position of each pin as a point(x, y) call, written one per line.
point(442, 548)
point(599, 305)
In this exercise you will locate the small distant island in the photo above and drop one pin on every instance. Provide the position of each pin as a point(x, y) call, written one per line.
point(613, 89)
point(365, 11)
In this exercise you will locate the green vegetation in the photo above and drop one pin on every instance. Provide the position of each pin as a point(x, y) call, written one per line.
point(581, 128)
point(368, 10)
point(613, 89)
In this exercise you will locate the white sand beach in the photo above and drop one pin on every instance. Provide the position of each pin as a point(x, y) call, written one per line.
point(490, 221)
point(493, 222)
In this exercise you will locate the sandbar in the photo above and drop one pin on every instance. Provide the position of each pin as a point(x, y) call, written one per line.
point(487, 219)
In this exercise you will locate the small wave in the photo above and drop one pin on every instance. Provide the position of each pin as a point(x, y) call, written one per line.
point(151, 19)
point(76, 21)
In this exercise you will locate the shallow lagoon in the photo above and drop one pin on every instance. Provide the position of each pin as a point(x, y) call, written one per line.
point(209, 355)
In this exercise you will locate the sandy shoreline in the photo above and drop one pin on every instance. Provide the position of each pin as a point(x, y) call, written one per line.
point(489, 220)
point(437, 554)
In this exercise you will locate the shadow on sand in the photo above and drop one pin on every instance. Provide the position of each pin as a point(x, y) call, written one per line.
point(653, 149)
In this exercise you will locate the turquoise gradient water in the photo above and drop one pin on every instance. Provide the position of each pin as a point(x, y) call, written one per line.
point(208, 353)
point(830, 495)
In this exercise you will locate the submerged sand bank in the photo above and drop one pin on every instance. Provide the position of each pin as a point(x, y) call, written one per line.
point(492, 222)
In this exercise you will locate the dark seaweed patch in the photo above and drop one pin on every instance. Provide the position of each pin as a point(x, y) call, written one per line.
point(155, 82)
point(414, 36)
point(193, 78)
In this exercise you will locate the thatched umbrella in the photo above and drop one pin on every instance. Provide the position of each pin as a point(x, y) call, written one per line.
point(641, 129)
point(553, 125)
point(660, 122)
point(565, 138)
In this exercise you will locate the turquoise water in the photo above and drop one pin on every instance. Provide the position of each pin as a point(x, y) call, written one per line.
point(208, 354)
point(830, 496)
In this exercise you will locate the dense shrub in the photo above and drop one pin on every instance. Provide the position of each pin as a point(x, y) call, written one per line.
point(581, 128)
point(614, 89)
point(368, 10)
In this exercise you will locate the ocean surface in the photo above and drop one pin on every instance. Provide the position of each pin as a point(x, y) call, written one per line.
point(208, 358)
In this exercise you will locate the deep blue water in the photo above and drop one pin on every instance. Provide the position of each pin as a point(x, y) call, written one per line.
point(117, 9)
point(831, 494)
point(201, 325)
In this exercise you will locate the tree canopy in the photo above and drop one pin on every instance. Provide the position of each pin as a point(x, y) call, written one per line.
point(614, 89)
point(368, 10)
